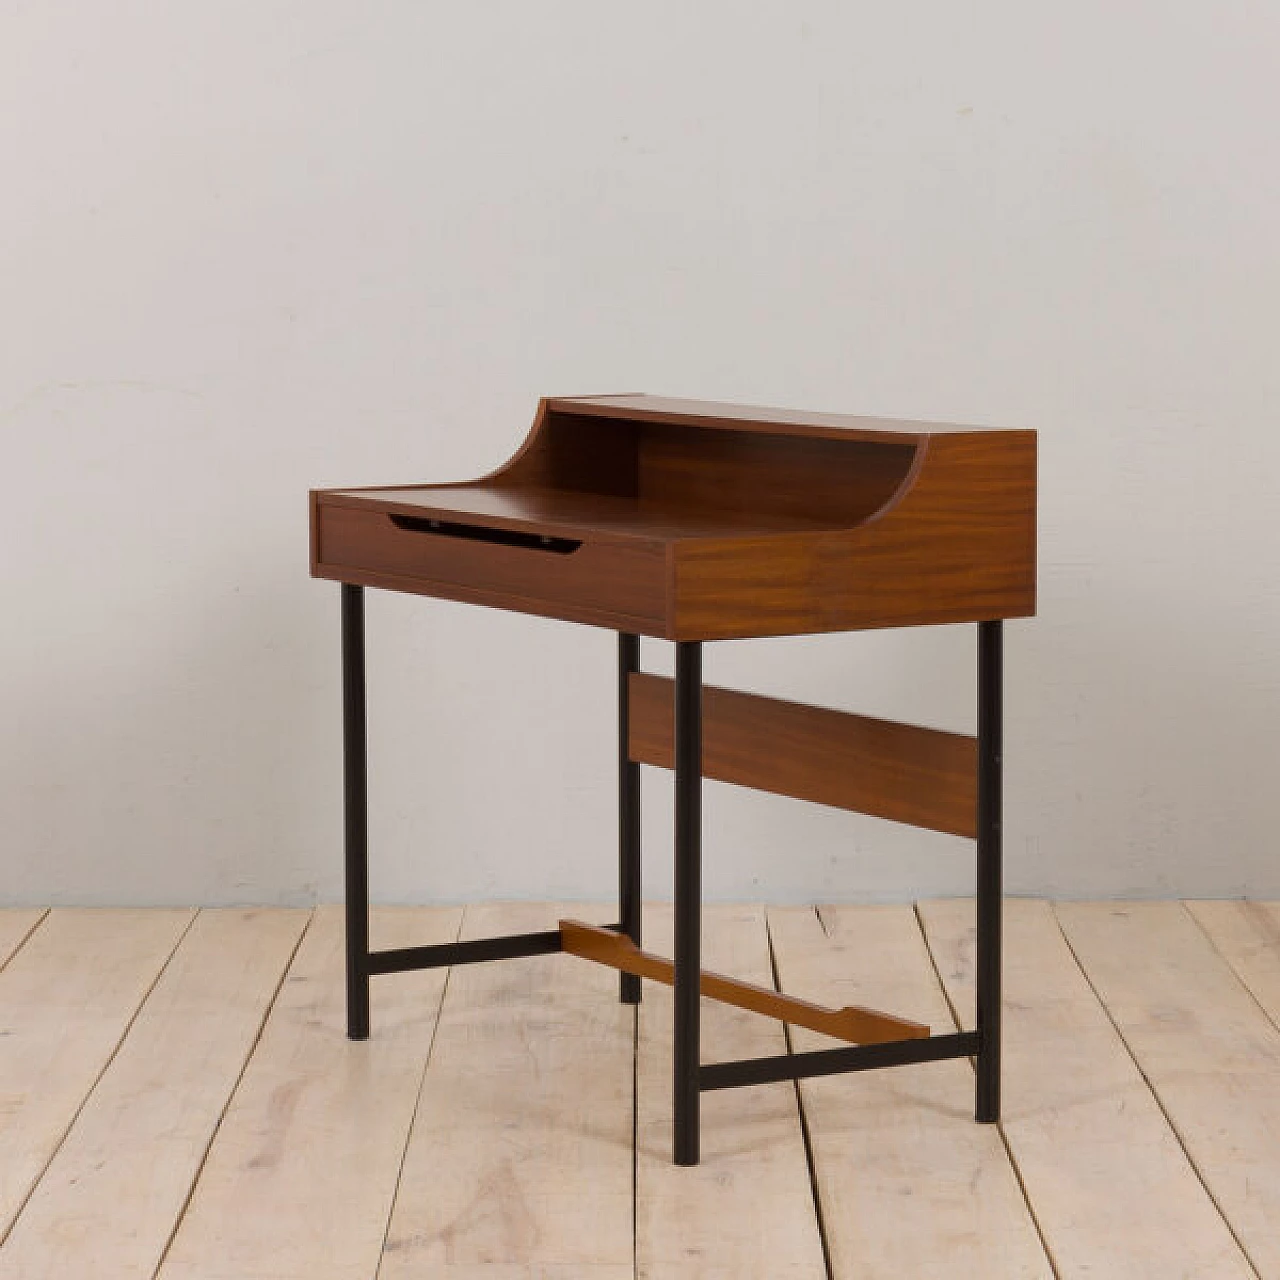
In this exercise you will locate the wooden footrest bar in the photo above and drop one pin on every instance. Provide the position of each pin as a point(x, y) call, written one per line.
point(853, 1023)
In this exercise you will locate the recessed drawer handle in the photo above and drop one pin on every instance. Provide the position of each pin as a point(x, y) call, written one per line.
point(482, 533)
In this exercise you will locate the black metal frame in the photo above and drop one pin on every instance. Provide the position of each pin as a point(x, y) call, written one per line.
point(690, 1076)
point(990, 866)
point(688, 905)
point(629, 899)
point(355, 795)
point(432, 957)
point(830, 1062)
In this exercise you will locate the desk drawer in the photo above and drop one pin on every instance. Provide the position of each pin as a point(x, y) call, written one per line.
point(558, 576)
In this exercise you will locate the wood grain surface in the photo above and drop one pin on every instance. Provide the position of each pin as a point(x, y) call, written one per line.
point(924, 777)
point(701, 522)
point(853, 1023)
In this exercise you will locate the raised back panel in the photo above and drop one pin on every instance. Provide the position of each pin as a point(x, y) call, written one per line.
point(835, 481)
point(839, 481)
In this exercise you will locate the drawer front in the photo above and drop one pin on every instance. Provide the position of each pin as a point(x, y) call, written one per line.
point(559, 577)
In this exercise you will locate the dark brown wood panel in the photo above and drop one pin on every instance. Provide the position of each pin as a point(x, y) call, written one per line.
point(570, 513)
point(853, 1022)
point(957, 544)
point(710, 522)
point(923, 777)
point(827, 482)
point(574, 453)
point(599, 582)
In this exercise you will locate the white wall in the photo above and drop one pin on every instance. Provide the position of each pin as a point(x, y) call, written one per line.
point(250, 247)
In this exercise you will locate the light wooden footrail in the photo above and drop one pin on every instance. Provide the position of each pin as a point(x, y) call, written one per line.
point(178, 1101)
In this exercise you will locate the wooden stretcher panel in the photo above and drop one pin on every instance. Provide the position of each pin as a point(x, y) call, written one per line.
point(922, 777)
point(852, 1023)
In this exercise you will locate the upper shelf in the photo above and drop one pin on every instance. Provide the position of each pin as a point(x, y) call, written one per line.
point(693, 520)
point(754, 418)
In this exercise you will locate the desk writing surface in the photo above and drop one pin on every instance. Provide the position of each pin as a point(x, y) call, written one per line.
point(694, 520)
point(570, 513)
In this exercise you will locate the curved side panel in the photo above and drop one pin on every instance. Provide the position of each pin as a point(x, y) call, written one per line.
point(958, 544)
point(567, 451)
point(907, 485)
point(524, 455)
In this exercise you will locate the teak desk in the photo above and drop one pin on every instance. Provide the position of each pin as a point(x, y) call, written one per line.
point(692, 521)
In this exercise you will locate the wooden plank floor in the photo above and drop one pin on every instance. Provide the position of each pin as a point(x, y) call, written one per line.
point(178, 1101)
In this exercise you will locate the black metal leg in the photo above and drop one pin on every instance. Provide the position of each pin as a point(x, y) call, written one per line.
point(990, 886)
point(688, 909)
point(628, 812)
point(355, 804)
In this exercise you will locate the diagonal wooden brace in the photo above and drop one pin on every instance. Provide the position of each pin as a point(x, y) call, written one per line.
point(852, 1023)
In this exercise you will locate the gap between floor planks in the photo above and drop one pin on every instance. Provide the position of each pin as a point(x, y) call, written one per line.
point(1112, 1190)
point(108, 1200)
point(1188, 990)
point(1114, 1195)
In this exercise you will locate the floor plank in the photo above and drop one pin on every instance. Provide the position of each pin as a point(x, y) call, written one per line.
point(66, 999)
point(300, 1178)
point(118, 1052)
point(747, 1210)
point(909, 1184)
point(1210, 1053)
point(112, 1196)
point(519, 1164)
point(16, 924)
point(1247, 934)
point(1112, 1189)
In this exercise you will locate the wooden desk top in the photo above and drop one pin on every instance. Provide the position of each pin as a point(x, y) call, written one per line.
point(568, 513)
point(692, 520)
